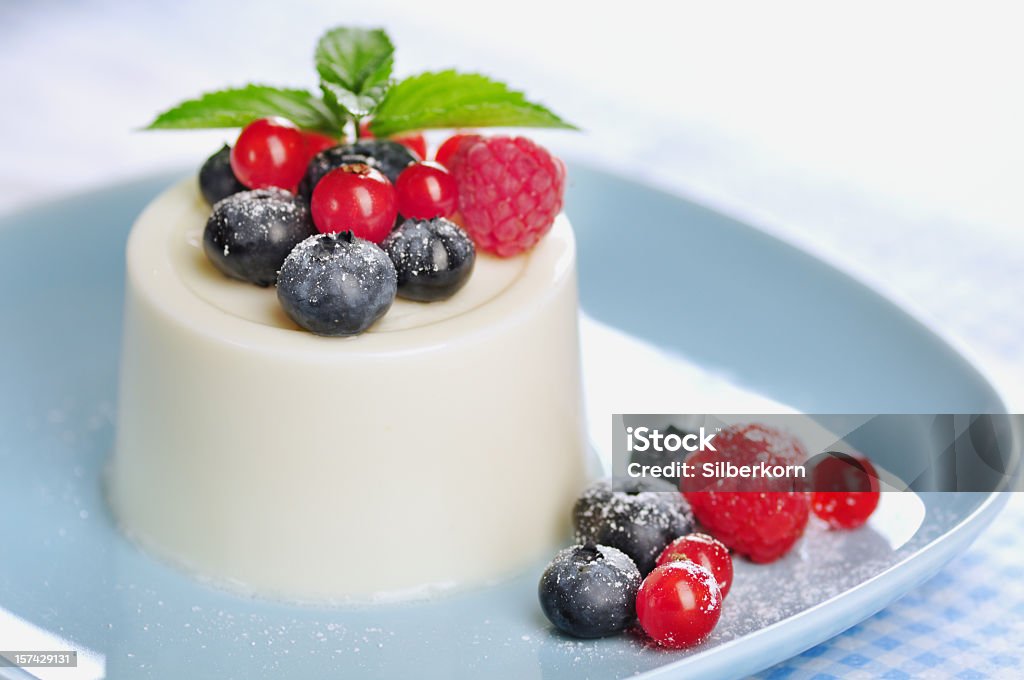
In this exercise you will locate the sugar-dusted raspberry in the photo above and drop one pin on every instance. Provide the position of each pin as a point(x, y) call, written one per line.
point(510, 191)
point(757, 517)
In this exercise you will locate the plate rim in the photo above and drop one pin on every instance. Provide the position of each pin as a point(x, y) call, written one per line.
point(952, 541)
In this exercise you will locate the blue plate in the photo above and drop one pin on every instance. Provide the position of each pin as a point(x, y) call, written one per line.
point(667, 272)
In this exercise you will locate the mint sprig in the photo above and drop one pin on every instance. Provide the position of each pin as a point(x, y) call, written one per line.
point(355, 66)
point(237, 107)
point(449, 99)
point(355, 69)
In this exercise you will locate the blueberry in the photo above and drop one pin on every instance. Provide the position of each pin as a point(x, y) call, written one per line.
point(433, 258)
point(336, 284)
point(639, 517)
point(216, 178)
point(250, 233)
point(387, 156)
point(390, 157)
point(590, 590)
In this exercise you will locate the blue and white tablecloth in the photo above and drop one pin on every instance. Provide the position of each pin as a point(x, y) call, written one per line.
point(966, 623)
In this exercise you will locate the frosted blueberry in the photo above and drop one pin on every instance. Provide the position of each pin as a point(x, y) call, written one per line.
point(433, 258)
point(638, 516)
point(250, 233)
point(590, 591)
point(336, 284)
point(216, 178)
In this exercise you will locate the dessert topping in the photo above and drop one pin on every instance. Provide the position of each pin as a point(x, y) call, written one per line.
point(270, 152)
point(446, 152)
point(249, 234)
point(336, 284)
point(510, 191)
point(216, 178)
point(426, 190)
point(355, 198)
point(433, 258)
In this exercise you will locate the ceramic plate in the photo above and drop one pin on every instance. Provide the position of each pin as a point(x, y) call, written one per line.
point(670, 277)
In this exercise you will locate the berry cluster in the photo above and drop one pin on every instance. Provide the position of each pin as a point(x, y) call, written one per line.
point(638, 558)
point(499, 194)
point(763, 519)
point(279, 186)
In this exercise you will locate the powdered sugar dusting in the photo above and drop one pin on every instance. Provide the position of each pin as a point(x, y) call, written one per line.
point(492, 631)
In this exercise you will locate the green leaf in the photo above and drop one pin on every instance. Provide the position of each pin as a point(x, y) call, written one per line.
point(355, 68)
point(237, 107)
point(448, 99)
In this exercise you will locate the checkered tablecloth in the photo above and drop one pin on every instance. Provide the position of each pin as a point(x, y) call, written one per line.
point(966, 623)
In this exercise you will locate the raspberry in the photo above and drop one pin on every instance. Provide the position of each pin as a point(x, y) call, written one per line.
point(510, 191)
point(757, 517)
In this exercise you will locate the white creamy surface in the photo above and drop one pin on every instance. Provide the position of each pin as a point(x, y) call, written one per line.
point(311, 468)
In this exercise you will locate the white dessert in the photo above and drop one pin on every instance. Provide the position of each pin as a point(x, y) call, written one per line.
point(443, 446)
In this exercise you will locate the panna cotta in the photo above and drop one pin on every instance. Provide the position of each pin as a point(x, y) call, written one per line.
point(443, 446)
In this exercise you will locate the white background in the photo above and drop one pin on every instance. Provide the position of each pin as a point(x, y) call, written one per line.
point(885, 137)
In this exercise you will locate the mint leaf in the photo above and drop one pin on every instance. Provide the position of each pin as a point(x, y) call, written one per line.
point(237, 107)
point(448, 99)
point(355, 68)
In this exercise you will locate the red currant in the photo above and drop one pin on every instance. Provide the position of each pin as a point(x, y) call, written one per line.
point(704, 550)
point(416, 142)
point(355, 198)
point(446, 152)
point(317, 142)
point(270, 152)
point(679, 604)
point(846, 490)
point(425, 191)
